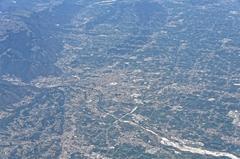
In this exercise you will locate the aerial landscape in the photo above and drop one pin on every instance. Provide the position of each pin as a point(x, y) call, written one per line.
point(119, 79)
